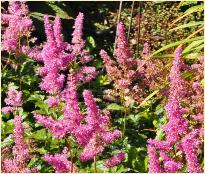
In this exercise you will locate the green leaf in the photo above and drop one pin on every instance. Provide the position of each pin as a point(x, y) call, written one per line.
point(192, 45)
point(177, 44)
point(103, 80)
point(39, 134)
point(114, 106)
point(196, 8)
point(59, 11)
point(159, 134)
point(39, 16)
point(202, 82)
point(148, 98)
point(41, 150)
point(191, 24)
point(8, 127)
point(199, 48)
point(184, 3)
point(146, 162)
point(187, 75)
point(32, 162)
point(36, 97)
point(7, 141)
point(91, 41)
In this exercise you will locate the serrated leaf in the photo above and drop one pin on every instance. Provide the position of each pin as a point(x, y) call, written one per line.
point(114, 106)
point(8, 127)
point(202, 82)
point(35, 97)
point(159, 134)
point(7, 141)
point(39, 134)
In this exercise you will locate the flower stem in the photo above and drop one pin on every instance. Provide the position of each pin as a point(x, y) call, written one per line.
point(124, 125)
point(71, 157)
point(95, 167)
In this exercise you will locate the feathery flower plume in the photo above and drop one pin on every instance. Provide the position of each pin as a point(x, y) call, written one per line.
point(177, 131)
point(115, 160)
point(18, 25)
point(54, 58)
point(60, 162)
point(20, 151)
point(78, 43)
point(154, 165)
point(97, 134)
point(13, 101)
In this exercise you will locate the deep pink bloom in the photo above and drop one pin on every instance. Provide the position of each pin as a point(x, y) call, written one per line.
point(154, 165)
point(108, 137)
point(20, 151)
point(189, 146)
point(170, 165)
point(52, 101)
point(93, 148)
point(93, 112)
point(7, 109)
point(54, 57)
point(58, 128)
point(115, 160)
point(60, 162)
point(18, 25)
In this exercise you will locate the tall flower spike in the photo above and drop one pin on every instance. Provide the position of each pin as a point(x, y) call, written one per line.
point(58, 33)
point(77, 40)
point(54, 58)
point(78, 43)
point(189, 146)
point(93, 112)
point(72, 108)
point(122, 50)
point(20, 151)
point(177, 126)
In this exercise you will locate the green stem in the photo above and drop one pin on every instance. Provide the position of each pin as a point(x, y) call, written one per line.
point(124, 125)
point(71, 157)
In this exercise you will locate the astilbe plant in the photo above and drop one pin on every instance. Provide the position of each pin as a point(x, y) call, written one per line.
point(17, 27)
point(122, 72)
point(55, 59)
point(131, 77)
point(93, 135)
point(20, 151)
point(152, 71)
point(182, 136)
